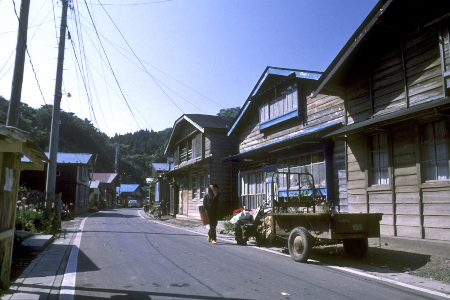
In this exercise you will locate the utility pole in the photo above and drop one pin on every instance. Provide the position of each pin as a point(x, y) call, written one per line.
point(116, 162)
point(21, 48)
point(54, 134)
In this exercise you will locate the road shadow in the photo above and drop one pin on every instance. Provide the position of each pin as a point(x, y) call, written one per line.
point(377, 259)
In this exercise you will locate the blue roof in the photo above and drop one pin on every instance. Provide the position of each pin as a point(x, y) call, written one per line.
point(72, 158)
point(68, 158)
point(161, 166)
point(127, 188)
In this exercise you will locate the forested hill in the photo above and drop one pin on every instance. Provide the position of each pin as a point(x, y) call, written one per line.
point(136, 150)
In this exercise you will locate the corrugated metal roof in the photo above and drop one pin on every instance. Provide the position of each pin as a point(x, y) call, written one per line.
point(128, 188)
point(104, 177)
point(72, 158)
point(161, 166)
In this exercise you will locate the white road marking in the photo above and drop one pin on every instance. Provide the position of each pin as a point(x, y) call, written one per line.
point(68, 283)
point(343, 269)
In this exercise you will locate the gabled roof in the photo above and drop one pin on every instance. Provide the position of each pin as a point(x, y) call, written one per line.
point(25, 145)
point(384, 25)
point(72, 158)
point(270, 77)
point(128, 188)
point(104, 177)
point(200, 123)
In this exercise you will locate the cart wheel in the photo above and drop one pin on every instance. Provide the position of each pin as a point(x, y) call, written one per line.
point(300, 244)
point(238, 232)
point(260, 239)
point(356, 248)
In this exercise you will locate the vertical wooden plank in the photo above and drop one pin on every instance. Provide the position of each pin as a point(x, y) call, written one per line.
point(7, 216)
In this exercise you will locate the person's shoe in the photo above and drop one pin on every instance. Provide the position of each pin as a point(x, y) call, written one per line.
point(214, 242)
point(209, 239)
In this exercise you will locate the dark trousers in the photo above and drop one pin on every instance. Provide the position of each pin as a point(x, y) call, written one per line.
point(212, 226)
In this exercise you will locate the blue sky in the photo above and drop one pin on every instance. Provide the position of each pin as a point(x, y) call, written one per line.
point(170, 57)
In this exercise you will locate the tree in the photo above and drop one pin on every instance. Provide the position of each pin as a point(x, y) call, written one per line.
point(229, 112)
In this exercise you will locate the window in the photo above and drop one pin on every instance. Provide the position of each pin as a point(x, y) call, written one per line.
point(203, 185)
point(252, 189)
point(435, 158)
point(185, 151)
point(379, 155)
point(279, 104)
point(194, 187)
point(313, 163)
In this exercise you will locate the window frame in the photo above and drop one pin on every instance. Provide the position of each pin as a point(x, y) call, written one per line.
point(378, 151)
point(445, 139)
point(279, 107)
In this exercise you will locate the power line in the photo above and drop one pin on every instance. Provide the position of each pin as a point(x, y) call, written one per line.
point(110, 66)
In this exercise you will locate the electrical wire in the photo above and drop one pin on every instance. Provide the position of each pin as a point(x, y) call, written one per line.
point(146, 71)
point(110, 66)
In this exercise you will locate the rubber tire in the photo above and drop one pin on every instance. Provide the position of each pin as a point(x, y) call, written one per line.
point(238, 234)
point(300, 244)
point(260, 239)
point(356, 248)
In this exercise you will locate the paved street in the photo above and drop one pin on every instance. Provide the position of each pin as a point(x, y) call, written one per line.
point(123, 255)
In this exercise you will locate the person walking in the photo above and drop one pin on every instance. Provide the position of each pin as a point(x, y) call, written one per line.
point(211, 204)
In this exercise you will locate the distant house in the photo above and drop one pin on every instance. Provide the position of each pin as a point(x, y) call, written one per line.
point(281, 129)
point(198, 143)
point(107, 184)
point(130, 191)
point(394, 78)
point(160, 182)
point(72, 180)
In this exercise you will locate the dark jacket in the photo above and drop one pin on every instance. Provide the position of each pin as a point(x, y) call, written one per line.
point(211, 204)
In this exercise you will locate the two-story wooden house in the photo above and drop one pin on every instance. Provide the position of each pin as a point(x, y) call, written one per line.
point(198, 143)
point(280, 128)
point(72, 180)
point(393, 75)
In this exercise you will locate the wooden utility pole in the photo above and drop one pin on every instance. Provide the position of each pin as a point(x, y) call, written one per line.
point(21, 48)
point(54, 134)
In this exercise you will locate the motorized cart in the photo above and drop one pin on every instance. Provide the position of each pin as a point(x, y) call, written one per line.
point(303, 217)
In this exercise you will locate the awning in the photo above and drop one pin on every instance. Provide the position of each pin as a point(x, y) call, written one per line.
point(313, 134)
point(393, 117)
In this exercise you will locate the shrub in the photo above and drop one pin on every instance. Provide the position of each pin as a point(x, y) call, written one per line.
point(30, 218)
point(227, 224)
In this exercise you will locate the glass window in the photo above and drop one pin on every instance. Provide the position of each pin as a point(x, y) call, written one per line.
point(252, 189)
point(194, 187)
point(313, 163)
point(379, 154)
point(435, 158)
point(279, 104)
point(203, 185)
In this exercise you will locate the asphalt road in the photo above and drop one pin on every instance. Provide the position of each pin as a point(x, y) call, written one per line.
point(124, 256)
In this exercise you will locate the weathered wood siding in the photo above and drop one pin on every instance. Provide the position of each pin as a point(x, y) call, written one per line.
point(403, 75)
point(320, 110)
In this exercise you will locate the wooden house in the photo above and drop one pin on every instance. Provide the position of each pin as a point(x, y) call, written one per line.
point(281, 129)
point(14, 144)
point(107, 183)
point(198, 143)
point(160, 183)
point(72, 180)
point(393, 76)
point(130, 191)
